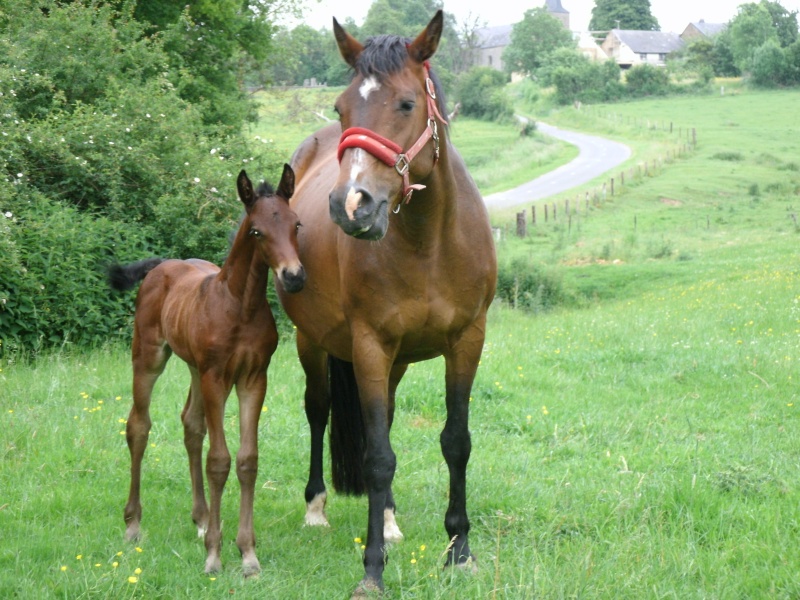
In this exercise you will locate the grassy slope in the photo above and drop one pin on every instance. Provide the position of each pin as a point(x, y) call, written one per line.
point(643, 445)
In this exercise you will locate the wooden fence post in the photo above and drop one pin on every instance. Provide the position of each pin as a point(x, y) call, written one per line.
point(533, 215)
point(521, 224)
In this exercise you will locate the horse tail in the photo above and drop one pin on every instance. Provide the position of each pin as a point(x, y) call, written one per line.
point(347, 434)
point(125, 277)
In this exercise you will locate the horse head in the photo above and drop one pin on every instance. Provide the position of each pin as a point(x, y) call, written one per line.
point(273, 226)
point(391, 120)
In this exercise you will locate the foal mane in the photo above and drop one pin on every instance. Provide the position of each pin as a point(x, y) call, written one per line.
point(264, 189)
point(384, 55)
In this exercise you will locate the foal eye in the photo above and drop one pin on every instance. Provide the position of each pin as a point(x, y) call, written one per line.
point(256, 233)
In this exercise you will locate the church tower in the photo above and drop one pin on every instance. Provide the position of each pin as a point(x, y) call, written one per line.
point(556, 10)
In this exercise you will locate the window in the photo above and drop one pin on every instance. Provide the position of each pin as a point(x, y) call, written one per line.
point(643, 56)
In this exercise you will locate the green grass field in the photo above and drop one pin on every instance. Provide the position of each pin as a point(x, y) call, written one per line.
point(641, 441)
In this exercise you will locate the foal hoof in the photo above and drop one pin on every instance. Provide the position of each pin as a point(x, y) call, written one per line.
point(251, 568)
point(213, 565)
point(132, 533)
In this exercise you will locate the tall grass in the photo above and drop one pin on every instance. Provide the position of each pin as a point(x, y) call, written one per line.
point(641, 443)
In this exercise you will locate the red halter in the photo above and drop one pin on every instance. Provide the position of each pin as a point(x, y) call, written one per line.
point(391, 153)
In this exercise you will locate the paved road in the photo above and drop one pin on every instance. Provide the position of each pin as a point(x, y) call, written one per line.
point(596, 156)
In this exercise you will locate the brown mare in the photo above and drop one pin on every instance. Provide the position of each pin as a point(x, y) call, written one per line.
point(220, 323)
point(402, 268)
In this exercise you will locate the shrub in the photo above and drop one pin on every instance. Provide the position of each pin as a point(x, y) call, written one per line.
point(101, 160)
point(481, 92)
point(647, 80)
point(525, 284)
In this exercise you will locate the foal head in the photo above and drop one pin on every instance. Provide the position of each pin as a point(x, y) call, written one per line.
point(391, 121)
point(272, 226)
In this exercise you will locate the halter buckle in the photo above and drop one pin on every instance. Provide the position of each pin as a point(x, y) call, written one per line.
point(402, 165)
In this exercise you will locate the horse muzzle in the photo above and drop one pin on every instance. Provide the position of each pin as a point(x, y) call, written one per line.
point(358, 213)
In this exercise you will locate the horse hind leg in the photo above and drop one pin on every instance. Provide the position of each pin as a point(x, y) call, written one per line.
point(317, 407)
point(251, 399)
point(148, 364)
point(391, 531)
point(194, 432)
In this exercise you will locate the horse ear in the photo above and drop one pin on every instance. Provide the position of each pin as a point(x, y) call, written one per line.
point(245, 188)
point(286, 186)
point(349, 47)
point(422, 48)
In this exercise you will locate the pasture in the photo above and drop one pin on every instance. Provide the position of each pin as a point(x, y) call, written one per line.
point(639, 441)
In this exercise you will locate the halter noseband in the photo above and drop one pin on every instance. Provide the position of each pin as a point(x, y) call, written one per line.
point(391, 153)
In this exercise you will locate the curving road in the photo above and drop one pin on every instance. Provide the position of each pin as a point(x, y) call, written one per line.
point(596, 156)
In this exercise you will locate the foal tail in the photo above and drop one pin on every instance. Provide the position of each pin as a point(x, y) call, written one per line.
point(347, 435)
point(125, 277)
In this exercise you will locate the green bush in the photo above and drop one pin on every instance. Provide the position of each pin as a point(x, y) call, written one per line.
point(527, 285)
point(647, 80)
point(100, 160)
point(481, 92)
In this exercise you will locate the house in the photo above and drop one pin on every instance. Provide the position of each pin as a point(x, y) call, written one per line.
point(491, 43)
point(700, 30)
point(493, 40)
point(630, 48)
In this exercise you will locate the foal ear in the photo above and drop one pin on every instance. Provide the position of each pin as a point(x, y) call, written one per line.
point(349, 47)
point(245, 189)
point(286, 186)
point(422, 48)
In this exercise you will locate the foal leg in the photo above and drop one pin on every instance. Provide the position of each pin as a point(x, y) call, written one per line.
point(461, 365)
point(218, 463)
point(317, 406)
point(194, 432)
point(148, 361)
point(251, 398)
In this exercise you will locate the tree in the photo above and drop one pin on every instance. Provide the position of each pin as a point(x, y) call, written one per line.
point(533, 39)
point(785, 22)
point(769, 68)
point(750, 29)
point(208, 41)
point(623, 14)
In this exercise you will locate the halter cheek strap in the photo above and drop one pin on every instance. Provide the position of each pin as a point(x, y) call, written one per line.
point(391, 153)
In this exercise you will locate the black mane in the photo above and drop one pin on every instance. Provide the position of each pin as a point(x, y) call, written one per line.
point(384, 55)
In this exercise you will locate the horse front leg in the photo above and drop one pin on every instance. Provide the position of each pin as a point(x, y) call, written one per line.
point(317, 406)
point(461, 364)
point(251, 394)
point(194, 432)
point(372, 369)
point(218, 464)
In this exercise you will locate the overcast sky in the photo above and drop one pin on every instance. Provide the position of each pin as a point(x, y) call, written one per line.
point(672, 15)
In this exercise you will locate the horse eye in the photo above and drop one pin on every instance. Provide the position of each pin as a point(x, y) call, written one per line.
point(297, 226)
point(407, 105)
point(256, 233)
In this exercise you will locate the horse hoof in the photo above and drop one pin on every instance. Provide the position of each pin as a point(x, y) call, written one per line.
point(367, 589)
point(469, 566)
point(213, 565)
point(315, 511)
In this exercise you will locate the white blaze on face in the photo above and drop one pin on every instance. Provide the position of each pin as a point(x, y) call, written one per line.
point(358, 163)
point(351, 203)
point(370, 85)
